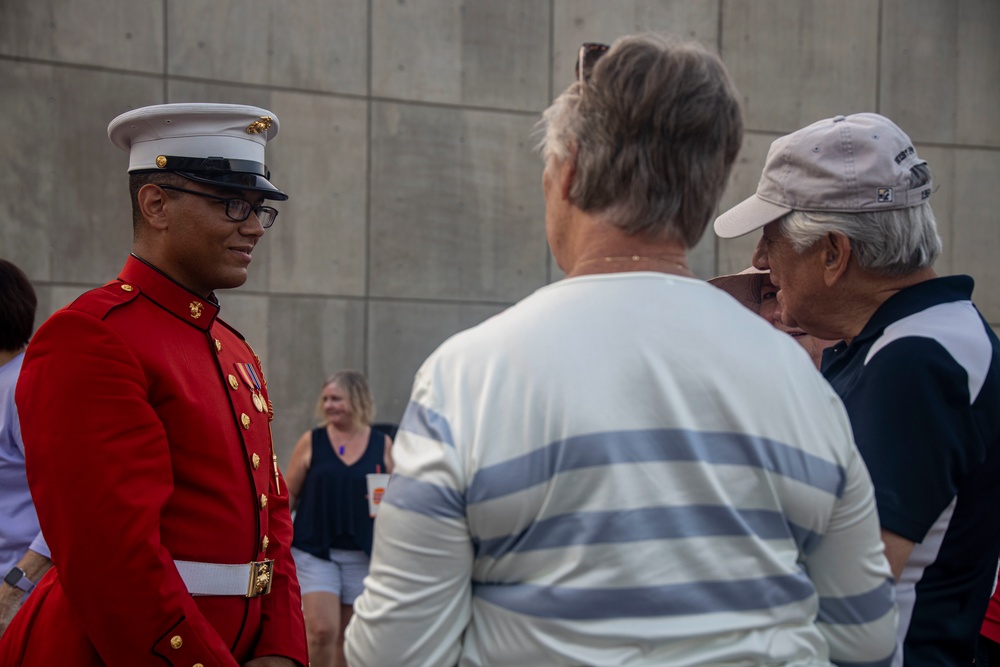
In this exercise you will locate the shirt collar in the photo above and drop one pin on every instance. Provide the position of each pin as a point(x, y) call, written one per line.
point(914, 299)
point(170, 295)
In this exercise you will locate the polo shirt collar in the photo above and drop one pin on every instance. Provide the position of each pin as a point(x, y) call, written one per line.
point(904, 303)
point(915, 299)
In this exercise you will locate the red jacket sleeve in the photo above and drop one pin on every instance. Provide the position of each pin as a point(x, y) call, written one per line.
point(281, 611)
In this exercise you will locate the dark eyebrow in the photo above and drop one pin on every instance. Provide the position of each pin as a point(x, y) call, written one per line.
point(236, 193)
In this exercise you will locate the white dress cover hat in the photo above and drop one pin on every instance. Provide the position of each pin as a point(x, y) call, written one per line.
point(217, 144)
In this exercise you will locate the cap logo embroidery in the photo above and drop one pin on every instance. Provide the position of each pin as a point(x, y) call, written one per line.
point(195, 307)
point(884, 196)
point(260, 126)
point(905, 153)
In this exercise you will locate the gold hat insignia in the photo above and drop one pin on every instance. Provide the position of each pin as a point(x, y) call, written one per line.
point(161, 161)
point(260, 126)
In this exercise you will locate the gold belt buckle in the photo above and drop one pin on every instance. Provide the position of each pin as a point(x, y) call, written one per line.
point(260, 578)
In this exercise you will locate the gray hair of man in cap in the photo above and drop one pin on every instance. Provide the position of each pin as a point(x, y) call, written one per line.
point(653, 130)
point(858, 175)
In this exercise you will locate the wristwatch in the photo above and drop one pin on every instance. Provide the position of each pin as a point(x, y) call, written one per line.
point(18, 579)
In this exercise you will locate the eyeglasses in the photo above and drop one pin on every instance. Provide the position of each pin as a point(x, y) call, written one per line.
point(237, 210)
point(590, 53)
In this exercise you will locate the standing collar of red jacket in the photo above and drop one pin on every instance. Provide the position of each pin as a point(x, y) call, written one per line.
point(167, 293)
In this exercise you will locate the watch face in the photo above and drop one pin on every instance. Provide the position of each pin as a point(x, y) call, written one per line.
point(14, 576)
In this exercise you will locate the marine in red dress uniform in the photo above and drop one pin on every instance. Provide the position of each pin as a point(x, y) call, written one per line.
point(146, 427)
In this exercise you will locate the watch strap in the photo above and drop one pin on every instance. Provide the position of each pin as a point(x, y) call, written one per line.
point(17, 578)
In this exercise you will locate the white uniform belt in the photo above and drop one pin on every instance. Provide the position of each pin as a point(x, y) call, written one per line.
point(245, 579)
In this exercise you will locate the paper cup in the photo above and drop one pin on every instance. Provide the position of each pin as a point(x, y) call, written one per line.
point(376, 487)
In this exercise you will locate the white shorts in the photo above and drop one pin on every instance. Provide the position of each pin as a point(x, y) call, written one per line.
point(343, 575)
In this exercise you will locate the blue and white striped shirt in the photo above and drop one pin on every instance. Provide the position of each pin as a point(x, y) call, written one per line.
point(625, 469)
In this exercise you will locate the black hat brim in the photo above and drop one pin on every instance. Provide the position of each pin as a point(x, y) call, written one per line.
point(237, 180)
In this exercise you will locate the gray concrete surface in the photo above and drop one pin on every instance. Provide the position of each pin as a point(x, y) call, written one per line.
point(406, 144)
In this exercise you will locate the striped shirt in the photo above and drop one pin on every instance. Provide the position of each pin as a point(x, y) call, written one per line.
point(625, 469)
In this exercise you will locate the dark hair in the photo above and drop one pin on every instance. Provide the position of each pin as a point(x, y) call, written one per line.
point(17, 307)
point(140, 178)
point(656, 129)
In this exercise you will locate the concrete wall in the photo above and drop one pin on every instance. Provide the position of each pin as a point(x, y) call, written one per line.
point(406, 145)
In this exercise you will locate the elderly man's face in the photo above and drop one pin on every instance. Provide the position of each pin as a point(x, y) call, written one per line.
point(798, 277)
point(772, 311)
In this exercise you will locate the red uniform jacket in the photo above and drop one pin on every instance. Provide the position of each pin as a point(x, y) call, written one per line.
point(143, 446)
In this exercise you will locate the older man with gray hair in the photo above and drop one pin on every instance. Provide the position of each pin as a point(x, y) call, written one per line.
point(850, 239)
point(595, 476)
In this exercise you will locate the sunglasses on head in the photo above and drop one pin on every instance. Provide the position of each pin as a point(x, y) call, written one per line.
point(590, 53)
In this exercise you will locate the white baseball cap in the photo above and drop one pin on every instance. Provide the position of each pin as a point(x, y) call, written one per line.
point(847, 164)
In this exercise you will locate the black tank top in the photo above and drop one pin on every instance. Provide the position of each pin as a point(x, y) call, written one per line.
point(332, 511)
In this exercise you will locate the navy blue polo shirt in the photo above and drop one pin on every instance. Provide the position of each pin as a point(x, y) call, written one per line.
point(921, 384)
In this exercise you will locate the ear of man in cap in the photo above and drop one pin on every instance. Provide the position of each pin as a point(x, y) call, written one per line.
point(215, 144)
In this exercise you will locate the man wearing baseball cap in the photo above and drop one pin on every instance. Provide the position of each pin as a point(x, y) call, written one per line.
point(145, 420)
point(850, 240)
